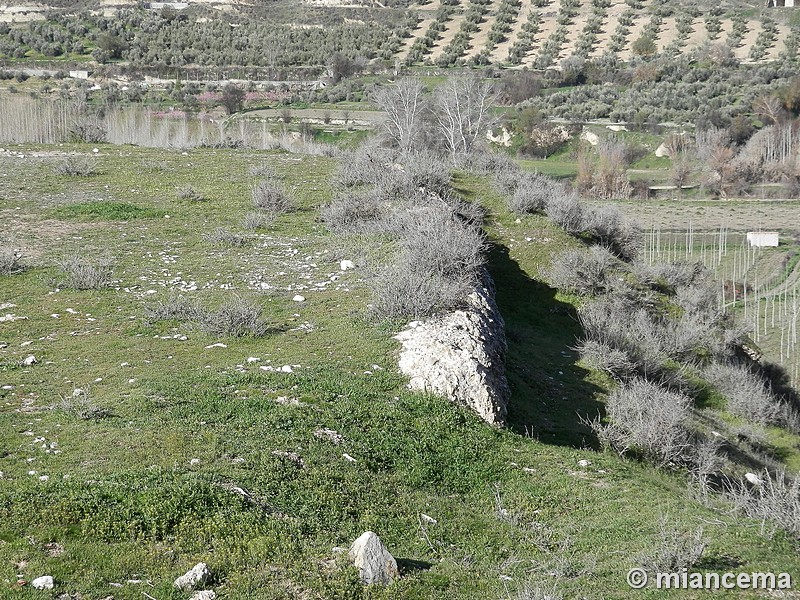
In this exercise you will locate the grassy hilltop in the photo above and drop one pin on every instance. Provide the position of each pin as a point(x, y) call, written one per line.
point(120, 488)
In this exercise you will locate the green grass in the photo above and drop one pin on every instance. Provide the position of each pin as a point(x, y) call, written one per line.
point(106, 211)
point(124, 499)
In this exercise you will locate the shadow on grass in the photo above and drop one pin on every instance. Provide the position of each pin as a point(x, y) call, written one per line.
point(549, 391)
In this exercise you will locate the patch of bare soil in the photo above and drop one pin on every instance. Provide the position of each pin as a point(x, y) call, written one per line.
point(500, 52)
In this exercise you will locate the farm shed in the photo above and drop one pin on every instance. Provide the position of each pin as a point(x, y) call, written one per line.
point(762, 239)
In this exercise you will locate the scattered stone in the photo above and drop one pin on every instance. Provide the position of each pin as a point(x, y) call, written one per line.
point(29, 360)
point(349, 458)
point(217, 345)
point(584, 463)
point(461, 355)
point(299, 298)
point(197, 576)
point(194, 462)
point(346, 264)
point(286, 369)
point(204, 595)
point(428, 519)
point(45, 582)
point(331, 435)
point(252, 359)
point(374, 562)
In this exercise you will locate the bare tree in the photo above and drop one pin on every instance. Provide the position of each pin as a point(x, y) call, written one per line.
point(769, 109)
point(462, 112)
point(404, 105)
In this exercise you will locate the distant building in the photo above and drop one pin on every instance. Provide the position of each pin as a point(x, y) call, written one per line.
point(762, 239)
point(780, 3)
point(79, 74)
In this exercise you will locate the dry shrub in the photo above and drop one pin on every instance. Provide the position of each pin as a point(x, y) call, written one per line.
point(565, 210)
point(674, 549)
point(644, 419)
point(583, 271)
point(271, 198)
point(187, 193)
point(236, 317)
point(352, 210)
point(257, 220)
point(10, 261)
point(76, 166)
point(80, 273)
point(603, 357)
point(437, 265)
point(226, 238)
point(174, 308)
point(608, 227)
point(532, 194)
point(747, 394)
point(775, 500)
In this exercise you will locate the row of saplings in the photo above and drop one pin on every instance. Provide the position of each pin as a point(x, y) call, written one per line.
point(659, 332)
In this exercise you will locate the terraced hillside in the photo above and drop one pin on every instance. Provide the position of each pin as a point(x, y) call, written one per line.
point(539, 33)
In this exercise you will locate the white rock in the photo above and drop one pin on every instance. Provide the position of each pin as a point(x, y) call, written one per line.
point(286, 369)
point(584, 463)
point(45, 582)
point(217, 345)
point(194, 462)
point(252, 359)
point(29, 360)
point(590, 137)
point(662, 151)
point(299, 298)
point(753, 478)
point(197, 576)
point(204, 595)
point(428, 519)
point(346, 264)
point(461, 356)
point(374, 562)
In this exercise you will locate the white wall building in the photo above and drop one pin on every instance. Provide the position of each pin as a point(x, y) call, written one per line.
point(762, 239)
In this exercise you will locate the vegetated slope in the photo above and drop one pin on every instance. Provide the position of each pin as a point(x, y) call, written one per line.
point(135, 476)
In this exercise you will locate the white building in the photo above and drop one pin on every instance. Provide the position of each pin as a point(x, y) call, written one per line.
point(762, 239)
